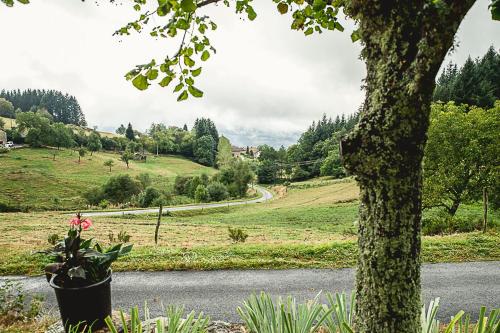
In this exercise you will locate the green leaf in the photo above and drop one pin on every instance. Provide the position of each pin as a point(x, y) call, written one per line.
point(309, 31)
point(188, 61)
point(205, 55)
point(195, 91)
point(152, 74)
point(282, 8)
point(196, 72)
point(165, 81)
point(189, 81)
point(495, 10)
point(183, 96)
point(188, 6)
point(355, 36)
point(178, 87)
point(140, 82)
point(252, 15)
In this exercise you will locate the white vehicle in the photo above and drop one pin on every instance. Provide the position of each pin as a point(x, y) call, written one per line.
point(9, 144)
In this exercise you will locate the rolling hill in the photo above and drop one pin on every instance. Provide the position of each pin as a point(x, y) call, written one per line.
point(31, 179)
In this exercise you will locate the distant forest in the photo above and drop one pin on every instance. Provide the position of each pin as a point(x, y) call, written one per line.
point(477, 82)
point(64, 108)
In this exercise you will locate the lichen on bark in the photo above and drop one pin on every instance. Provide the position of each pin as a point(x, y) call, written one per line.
point(404, 44)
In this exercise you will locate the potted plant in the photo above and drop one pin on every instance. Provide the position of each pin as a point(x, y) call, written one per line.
point(81, 275)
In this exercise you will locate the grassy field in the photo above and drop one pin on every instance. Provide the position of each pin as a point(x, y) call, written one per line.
point(29, 178)
point(309, 227)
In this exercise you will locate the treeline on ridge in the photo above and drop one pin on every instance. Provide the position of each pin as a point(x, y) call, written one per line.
point(63, 108)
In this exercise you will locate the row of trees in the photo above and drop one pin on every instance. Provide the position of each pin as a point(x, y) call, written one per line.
point(64, 108)
point(477, 82)
point(316, 153)
point(230, 182)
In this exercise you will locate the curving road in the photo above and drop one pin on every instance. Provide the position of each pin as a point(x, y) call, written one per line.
point(461, 286)
point(265, 195)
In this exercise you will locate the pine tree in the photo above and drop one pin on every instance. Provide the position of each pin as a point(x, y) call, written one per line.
point(129, 132)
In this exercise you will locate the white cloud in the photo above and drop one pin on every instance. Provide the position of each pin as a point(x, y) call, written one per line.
point(264, 75)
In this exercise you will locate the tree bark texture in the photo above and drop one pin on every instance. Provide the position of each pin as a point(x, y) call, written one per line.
point(404, 44)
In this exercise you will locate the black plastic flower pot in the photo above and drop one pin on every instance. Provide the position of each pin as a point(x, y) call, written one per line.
point(88, 305)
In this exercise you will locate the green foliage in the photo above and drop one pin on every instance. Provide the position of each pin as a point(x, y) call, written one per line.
point(109, 163)
point(299, 174)
point(224, 155)
point(61, 136)
point(38, 127)
point(120, 188)
point(332, 165)
point(176, 322)
point(145, 179)
point(129, 132)
point(237, 235)
point(461, 156)
point(62, 108)
point(477, 82)
point(103, 204)
point(78, 262)
point(217, 191)
point(94, 142)
point(148, 197)
point(53, 239)
point(204, 150)
point(262, 315)
point(126, 157)
point(201, 194)
point(341, 319)
point(6, 108)
point(267, 172)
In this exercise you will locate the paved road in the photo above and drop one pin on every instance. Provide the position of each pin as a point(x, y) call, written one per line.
point(464, 286)
point(265, 195)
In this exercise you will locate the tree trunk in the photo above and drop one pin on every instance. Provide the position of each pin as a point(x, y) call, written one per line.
point(79, 159)
point(453, 208)
point(485, 209)
point(160, 212)
point(404, 44)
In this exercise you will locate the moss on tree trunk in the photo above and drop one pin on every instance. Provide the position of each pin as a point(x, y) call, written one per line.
point(404, 44)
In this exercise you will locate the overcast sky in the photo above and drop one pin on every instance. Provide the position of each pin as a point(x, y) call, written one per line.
point(266, 84)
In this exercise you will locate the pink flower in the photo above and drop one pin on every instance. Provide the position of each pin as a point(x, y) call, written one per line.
point(74, 221)
point(86, 224)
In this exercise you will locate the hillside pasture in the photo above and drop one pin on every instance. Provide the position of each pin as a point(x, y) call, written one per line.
point(31, 179)
point(312, 227)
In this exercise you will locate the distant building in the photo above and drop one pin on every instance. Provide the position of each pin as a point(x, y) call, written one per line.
point(254, 152)
point(3, 137)
point(240, 152)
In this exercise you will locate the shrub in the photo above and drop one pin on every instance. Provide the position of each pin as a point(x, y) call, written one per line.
point(192, 185)
point(123, 237)
point(144, 179)
point(217, 191)
point(104, 204)
point(4, 150)
point(201, 194)
point(181, 185)
point(149, 196)
point(120, 189)
point(53, 239)
point(94, 196)
point(237, 235)
point(443, 223)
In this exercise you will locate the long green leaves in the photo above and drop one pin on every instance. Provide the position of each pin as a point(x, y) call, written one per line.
point(173, 323)
point(261, 315)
